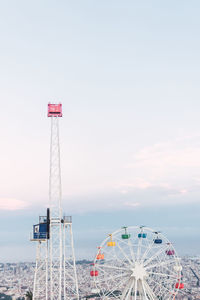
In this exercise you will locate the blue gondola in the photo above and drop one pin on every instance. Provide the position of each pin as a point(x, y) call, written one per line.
point(157, 241)
point(142, 235)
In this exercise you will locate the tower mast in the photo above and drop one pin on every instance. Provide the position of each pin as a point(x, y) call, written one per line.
point(55, 273)
point(56, 236)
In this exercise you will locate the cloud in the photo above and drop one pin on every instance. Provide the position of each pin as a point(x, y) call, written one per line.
point(140, 183)
point(161, 174)
point(165, 173)
point(173, 164)
point(181, 152)
point(12, 204)
point(132, 204)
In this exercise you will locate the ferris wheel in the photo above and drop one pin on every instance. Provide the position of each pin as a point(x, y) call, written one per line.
point(136, 263)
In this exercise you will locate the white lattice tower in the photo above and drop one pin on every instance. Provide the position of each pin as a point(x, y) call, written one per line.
point(55, 214)
point(55, 272)
point(70, 275)
point(55, 173)
point(63, 278)
point(40, 288)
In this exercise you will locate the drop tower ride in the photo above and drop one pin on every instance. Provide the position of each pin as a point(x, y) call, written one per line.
point(55, 273)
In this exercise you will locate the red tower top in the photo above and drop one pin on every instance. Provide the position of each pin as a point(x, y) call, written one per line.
point(54, 110)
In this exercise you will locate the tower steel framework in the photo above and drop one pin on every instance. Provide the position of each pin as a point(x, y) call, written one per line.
point(55, 272)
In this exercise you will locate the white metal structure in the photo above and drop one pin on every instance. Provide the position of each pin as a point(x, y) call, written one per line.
point(55, 273)
point(70, 276)
point(41, 271)
point(56, 246)
point(138, 264)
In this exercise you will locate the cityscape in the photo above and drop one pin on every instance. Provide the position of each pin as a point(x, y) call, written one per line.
point(17, 279)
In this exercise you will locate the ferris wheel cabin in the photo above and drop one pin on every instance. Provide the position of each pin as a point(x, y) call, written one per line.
point(54, 110)
point(179, 285)
point(170, 252)
point(100, 256)
point(94, 273)
point(110, 243)
point(142, 235)
point(157, 240)
point(125, 235)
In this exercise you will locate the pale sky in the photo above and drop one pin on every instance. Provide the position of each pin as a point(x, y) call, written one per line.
point(127, 73)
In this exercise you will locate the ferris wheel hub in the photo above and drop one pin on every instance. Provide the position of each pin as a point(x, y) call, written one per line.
point(139, 272)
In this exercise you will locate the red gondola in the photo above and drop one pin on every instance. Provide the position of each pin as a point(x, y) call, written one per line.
point(179, 285)
point(94, 273)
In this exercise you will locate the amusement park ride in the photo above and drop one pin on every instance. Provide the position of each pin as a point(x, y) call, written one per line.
point(133, 263)
point(55, 273)
point(136, 263)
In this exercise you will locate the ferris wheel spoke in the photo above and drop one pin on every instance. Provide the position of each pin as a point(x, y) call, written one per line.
point(125, 290)
point(111, 280)
point(113, 277)
point(162, 274)
point(165, 269)
point(118, 285)
point(144, 290)
point(154, 256)
point(158, 290)
point(172, 272)
point(161, 286)
point(157, 264)
point(122, 251)
point(116, 257)
point(139, 249)
point(131, 250)
point(130, 290)
point(147, 251)
point(111, 267)
point(127, 244)
point(135, 296)
point(120, 261)
point(150, 293)
point(121, 241)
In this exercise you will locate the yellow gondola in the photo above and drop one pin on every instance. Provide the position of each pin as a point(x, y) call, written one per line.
point(111, 243)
